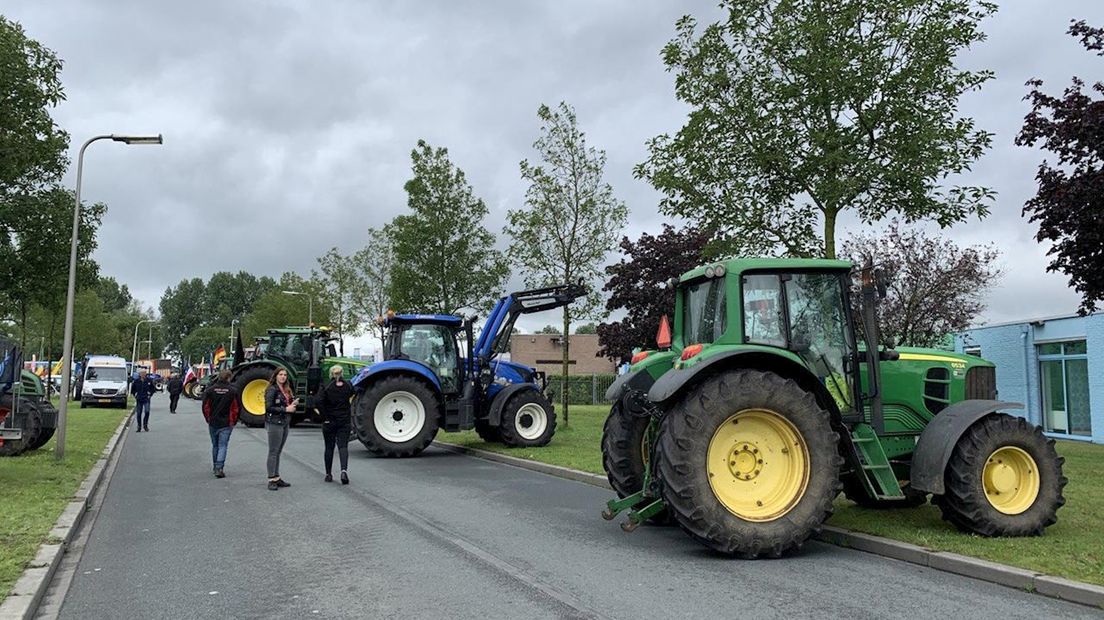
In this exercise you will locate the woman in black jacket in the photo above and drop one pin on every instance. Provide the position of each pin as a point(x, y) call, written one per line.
point(280, 403)
point(333, 403)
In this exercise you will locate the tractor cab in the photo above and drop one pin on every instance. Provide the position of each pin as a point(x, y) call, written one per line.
point(432, 340)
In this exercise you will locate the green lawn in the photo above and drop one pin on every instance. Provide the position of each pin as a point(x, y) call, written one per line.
point(1073, 548)
point(35, 488)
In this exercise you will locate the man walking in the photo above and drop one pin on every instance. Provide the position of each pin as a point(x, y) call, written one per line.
point(143, 389)
point(220, 408)
point(175, 386)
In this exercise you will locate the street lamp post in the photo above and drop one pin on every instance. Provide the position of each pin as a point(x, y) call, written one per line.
point(134, 347)
point(233, 322)
point(67, 350)
point(310, 305)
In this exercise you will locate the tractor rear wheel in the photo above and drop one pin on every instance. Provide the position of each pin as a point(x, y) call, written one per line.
point(44, 433)
point(854, 490)
point(251, 385)
point(1004, 479)
point(625, 452)
point(396, 417)
point(749, 464)
point(487, 432)
point(30, 422)
point(528, 420)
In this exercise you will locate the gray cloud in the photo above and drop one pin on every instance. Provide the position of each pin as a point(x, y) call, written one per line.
point(288, 125)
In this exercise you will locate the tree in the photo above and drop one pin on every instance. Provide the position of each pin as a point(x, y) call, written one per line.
point(115, 296)
point(444, 259)
point(571, 219)
point(93, 330)
point(35, 229)
point(201, 343)
point(637, 284)
point(228, 296)
point(587, 328)
point(935, 287)
point(341, 286)
point(277, 309)
point(32, 147)
point(182, 310)
point(549, 329)
point(1069, 205)
point(803, 110)
point(373, 267)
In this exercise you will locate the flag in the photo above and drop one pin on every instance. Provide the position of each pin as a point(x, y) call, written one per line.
point(239, 350)
point(219, 354)
point(190, 375)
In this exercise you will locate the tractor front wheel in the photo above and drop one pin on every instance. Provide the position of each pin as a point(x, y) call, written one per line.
point(487, 432)
point(251, 386)
point(396, 417)
point(1004, 479)
point(528, 420)
point(749, 464)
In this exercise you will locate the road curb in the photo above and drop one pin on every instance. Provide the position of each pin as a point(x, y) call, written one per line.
point(28, 591)
point(983, 570)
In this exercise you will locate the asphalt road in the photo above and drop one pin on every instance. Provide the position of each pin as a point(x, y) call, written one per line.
point(445, 535)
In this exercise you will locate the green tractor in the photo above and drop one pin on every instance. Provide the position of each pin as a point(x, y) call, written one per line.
point(763, 405)
point(306, 353)
point(27, 418)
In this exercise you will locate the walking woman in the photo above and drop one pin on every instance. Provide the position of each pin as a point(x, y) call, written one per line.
point(333, 402)
point(279, 405)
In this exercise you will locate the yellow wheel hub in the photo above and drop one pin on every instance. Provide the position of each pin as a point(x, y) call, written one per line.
point(1011, 480)
point(758, 465)
point(253, 396)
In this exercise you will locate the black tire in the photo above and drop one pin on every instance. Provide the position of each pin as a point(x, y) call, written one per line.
point(487, 432)
point(29, 422)
point(853, 490)
point(528, 420)
point(44, 433)
point(187, 389)
point(247, 383)
point(684, 440)
point(965, 504)
point(411, 440)
point(623, 454)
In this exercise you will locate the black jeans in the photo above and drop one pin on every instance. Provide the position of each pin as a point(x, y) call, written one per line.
point(277, 437)
point(174, 397)
point(336, 433)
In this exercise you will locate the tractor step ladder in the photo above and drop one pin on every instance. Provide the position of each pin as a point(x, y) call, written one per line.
point(878, 472)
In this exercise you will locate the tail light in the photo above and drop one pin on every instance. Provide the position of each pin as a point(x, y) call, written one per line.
point(690, 351)
point(640, 356)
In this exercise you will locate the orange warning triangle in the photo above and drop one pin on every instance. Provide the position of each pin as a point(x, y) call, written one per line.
point(663, 337)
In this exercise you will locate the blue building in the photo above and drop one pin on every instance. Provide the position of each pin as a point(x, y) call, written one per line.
point(1054, 366)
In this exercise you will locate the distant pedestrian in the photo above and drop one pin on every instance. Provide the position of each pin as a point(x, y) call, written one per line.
point(334, 403)
point(143, 390)
point(220, 408)
point(175, 386)
point(279, 405)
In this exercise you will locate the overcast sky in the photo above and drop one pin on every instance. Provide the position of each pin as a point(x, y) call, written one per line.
point(288, 125)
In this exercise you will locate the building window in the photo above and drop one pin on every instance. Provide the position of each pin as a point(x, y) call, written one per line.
point(1064, 369)
point(972, 350)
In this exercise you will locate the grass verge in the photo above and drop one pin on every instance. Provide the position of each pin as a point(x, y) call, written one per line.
point(35, 487)
point(1073, 548)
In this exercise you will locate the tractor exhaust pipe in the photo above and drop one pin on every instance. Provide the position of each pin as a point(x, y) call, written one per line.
point(870, 290)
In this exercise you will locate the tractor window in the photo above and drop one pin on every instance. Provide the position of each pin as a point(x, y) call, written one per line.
point(434, 346)
point(763, 319)
point(819, 333)
point(704, 320)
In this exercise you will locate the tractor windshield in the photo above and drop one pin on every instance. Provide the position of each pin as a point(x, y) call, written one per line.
point(704, 318)
point(434, 346)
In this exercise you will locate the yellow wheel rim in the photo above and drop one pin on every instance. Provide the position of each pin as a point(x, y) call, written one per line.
point(758, 465)
point(1011, 480)
point(253, 396)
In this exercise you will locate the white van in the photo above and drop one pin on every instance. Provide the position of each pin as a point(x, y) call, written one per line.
point(104, 381)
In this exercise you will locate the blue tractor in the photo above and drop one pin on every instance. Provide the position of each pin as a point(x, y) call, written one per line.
point(427, 382)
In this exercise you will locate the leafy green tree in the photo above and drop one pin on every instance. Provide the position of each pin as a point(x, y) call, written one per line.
point(587, 328)
point(32, 146)
point(444, 258)
point(93, 331)
point(342, 285)
point(277, 309)
point(549, 329)
point(373, 268)
point(571, 219)
point(182, 311)
point(803, 110)
point(1069, 204)
point(115, 296)
point(201, 343)
point(228, 296)
point(35, 230)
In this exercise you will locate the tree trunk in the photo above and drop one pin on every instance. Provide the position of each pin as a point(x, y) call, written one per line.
point(830, 234)
point(564, 384)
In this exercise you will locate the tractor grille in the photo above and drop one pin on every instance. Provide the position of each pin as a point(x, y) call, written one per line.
point(981, 383)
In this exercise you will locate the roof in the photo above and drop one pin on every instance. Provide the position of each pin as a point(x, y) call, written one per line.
point(299, 330)
point(1043, 319)
point(739, 265)
point(432, 319)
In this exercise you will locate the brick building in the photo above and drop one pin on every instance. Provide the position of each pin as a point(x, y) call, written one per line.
point(545, 352)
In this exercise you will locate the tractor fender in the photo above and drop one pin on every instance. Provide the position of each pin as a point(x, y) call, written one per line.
point(390, 367)
point(675, 381)
point(494, 414)
point(640, 380)
point(938, 440)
